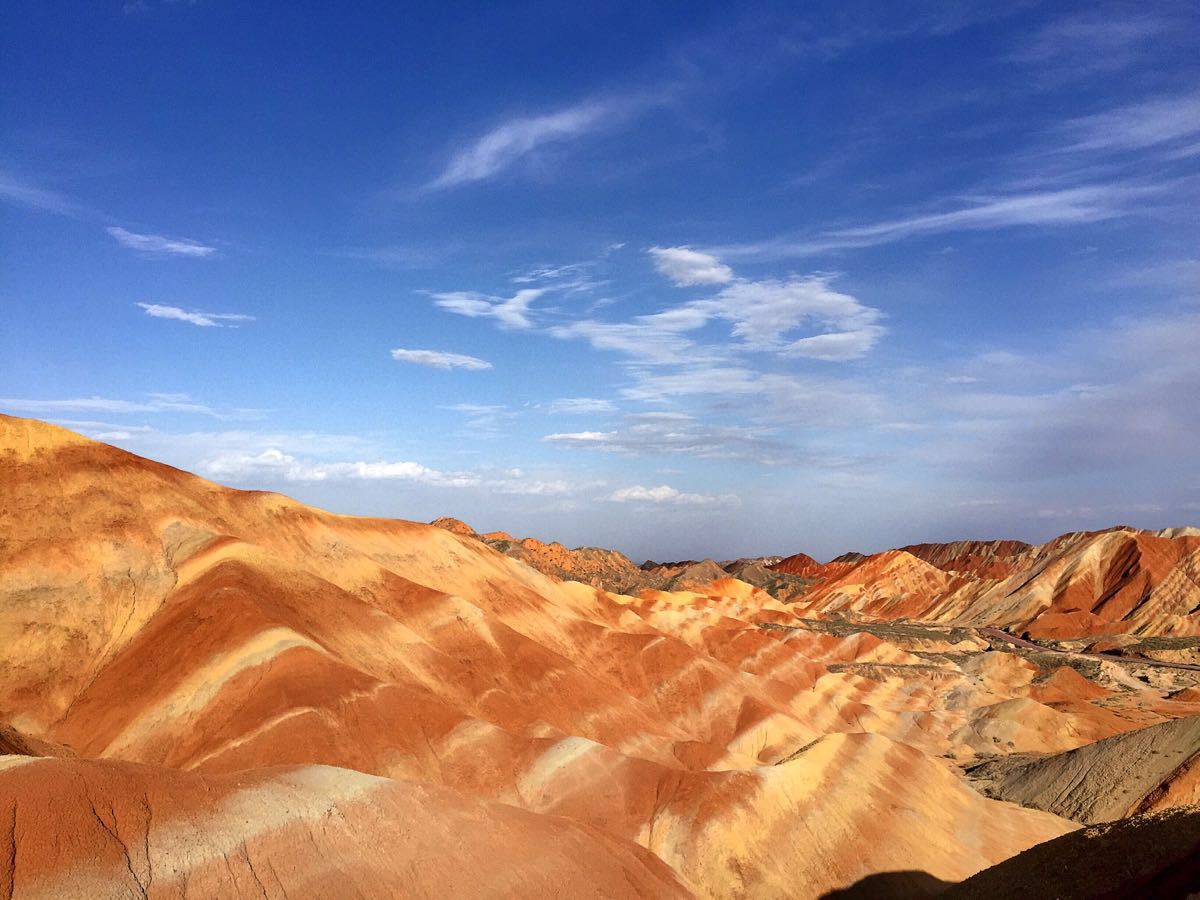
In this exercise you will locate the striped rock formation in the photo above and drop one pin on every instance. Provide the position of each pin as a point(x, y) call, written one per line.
point(1114, 582)
point(234, 692)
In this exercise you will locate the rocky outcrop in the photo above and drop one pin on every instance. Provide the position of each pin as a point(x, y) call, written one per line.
point(1146, 770)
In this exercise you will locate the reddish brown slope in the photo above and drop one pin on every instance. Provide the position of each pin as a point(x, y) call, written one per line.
point(1082, 584)
point(119, 829)
point(983, 559)
point(150, 616)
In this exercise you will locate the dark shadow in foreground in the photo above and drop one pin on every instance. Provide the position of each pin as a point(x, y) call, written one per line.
point(892, 886)
point(1146, 857)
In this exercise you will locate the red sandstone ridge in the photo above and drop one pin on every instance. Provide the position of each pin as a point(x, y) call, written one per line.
point(1112, 582)
point(800, 564)
point(984, 559)
point(236, 692)
point(454, 526)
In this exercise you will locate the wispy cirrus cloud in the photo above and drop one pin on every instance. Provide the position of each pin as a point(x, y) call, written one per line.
point(157, 244)
point(194, 317)
point(670, 433)
point(484, 419)
point(1095, 41)
point(1080, 205)
point(509, 312)
point(578, 406)
point(149, 403)
point(440, 359)
point(506, 144)
point(21, 192)
point(1169, 122)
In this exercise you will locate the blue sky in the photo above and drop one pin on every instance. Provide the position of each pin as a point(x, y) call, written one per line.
point(679, 279)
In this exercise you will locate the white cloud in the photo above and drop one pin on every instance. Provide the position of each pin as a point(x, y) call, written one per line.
point(764, 312)
point(1061, 207)
point(667, 495)
point(275, 463)
point(1079, 205)
point(764, 316)
point(655, 434)
point(484, 420)
point(569, 272)
point(649, 344)
point(836, 346)
point(152, 403)
point(511, 312)
point(509, 142)
point(90, 426)
point(1151, 123)
point(687, 267)
point(519, 486)
point(793, 399)
point(22, 193)
point(579, 437)
point(156, 243)
point(439, 359)
point(203, 319)
point(579, 406)
point(1093, 41)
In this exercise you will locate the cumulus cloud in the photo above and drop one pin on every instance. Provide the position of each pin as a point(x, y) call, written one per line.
point(837, 346)
point(763, 316)
point(765, 313)
point(665, 495)
point(510, 312)
point(800, 316)
point(156, 243)
point(440, 359)
point(687, 267)
point(194, 317)
point(274, 463)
